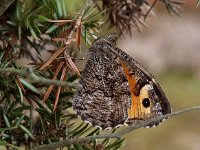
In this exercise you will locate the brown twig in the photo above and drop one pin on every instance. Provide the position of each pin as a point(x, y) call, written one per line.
point(28, 73)
point(117, 135)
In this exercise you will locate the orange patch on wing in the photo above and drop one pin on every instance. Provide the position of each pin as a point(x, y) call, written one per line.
point(135, 110)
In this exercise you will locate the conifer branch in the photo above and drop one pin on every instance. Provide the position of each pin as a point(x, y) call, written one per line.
point(116, 135)
point(28, 73)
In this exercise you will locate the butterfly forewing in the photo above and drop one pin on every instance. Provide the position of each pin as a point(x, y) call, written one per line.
point(115, 89)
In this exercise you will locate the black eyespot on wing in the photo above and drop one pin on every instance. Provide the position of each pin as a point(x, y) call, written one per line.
point(146, 102)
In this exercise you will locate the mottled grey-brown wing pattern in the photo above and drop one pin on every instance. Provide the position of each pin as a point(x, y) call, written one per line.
point(115, 89)
point(104, 96)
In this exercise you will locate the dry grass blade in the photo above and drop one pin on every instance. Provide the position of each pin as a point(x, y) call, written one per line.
point(57, 98)
point(78, 36)
point(53, 57)
point(63, 76)
point(50, 88)
point(78, 27)
point(71, 64)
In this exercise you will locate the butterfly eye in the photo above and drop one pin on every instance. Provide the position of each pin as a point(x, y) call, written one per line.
point(146, 102)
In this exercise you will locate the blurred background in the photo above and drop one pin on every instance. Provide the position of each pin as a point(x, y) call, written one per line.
point(170, 50)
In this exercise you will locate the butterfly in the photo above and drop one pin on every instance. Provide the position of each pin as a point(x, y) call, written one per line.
point(115, 89)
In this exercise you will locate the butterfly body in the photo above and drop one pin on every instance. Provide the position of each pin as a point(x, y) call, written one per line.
point(116, 90)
